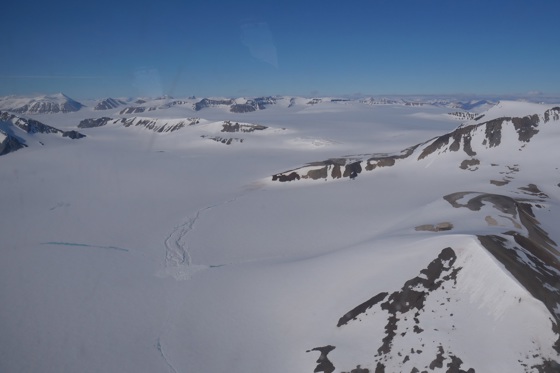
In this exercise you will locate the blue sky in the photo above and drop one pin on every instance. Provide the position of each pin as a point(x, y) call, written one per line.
point(234, 48)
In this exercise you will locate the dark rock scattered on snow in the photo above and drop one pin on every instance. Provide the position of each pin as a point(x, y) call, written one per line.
point(206, 103)
point(227, 126)
point(223, 140)
point(409, 303)
point(94, 122)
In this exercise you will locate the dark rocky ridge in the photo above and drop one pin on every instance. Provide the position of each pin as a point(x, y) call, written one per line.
point(94, 122)
point(258, 103)
point(142, 109)
point(461, 139)
point(227, 126)
point(406, 303)
point(249, 106)
point(464, 115)
point(135, 110)
point(32, 126)
point(10, 143)
point(531, 257)
point(528, 253)
point(344, 167)
point(156, 125)
point(206, 103)
point(108, 103)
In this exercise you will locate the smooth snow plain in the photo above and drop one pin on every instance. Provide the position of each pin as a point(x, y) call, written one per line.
point(136, 251)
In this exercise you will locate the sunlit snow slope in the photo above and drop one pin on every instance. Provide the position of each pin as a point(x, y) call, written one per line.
point(171, 238)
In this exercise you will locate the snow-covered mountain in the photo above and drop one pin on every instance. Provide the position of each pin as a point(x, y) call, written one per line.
point(471, 138)
point(518, 241)
point(17, 132)
point(475, 105)
point(163, 243)
point(152, 106)
point(108, 103)
point(57, 103)
point(236, 105)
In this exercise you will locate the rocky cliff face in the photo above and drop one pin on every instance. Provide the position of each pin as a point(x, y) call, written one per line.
point(11, 124)
point(9, 143)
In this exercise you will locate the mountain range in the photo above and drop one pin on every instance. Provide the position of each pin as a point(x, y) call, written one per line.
point(279, 234)
point(60, 103)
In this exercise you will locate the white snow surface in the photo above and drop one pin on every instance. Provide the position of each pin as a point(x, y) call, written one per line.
point(132, 250)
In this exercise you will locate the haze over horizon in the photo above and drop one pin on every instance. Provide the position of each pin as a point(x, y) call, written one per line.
point(280, 47)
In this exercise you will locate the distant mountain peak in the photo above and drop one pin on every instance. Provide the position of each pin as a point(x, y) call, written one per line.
point(108, 103)
point(46, 104)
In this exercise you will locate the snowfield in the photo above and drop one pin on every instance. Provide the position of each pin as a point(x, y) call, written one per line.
point(279, 235)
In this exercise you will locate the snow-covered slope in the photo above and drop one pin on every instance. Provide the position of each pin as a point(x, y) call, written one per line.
point(108, 103)
point(472, 141)
point(149, 247)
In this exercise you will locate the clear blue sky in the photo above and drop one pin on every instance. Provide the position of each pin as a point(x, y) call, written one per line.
point(233, 48)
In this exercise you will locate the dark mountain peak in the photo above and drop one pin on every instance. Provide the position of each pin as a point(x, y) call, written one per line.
point(108, 103)
point(15, 129)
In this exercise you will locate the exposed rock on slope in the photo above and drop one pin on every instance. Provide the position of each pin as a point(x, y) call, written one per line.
point(248, 106)
point(94, 122)
point(527, 252)
point(156, 125)
point(142, 109)
point(206, 103)
point(241, 127)
point(509, 271)
point(16, 131)
point(32, 126)
point(108, 103)
point(469, 139)
point(58, 103)
point(9, 143)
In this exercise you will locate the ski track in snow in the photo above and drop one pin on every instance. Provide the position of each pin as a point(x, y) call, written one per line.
point(160, 349)
point(178, 261)
point(74, 244)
